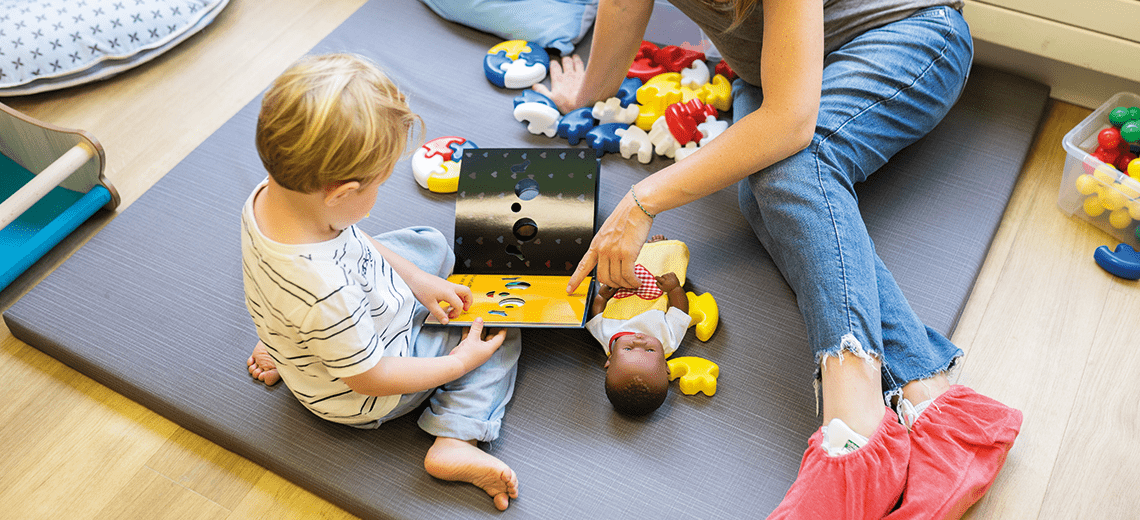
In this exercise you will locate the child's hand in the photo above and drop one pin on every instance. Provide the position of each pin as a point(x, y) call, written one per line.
point(432, 290)
point(668, 281)
point(475, 350)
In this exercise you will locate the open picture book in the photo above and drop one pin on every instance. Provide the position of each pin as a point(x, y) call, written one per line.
point(524, 217)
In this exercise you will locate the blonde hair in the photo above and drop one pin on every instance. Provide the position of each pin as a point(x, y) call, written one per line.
point(740, 9)
point(331, 119)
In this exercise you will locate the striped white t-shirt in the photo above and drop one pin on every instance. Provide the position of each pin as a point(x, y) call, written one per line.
point(326, 311)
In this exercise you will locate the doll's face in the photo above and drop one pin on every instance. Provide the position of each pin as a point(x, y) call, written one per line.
point(638, 353)
point(637, 376)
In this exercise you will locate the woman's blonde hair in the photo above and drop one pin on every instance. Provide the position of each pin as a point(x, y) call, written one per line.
point(330, 119)
point(740, 9)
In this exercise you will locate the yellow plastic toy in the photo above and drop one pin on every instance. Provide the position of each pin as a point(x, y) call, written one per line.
point(704, 313)
point(696, 374)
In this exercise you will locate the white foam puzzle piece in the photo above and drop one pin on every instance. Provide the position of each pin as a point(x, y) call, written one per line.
point(611, 111)
point(541, 118)
point(663, 141)
point(634, 140)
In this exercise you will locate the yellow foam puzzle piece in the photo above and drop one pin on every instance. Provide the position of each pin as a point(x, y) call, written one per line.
point(704, 313)
point(696, 374)
point(513, 48)
point(446, 182)
point(717, 93)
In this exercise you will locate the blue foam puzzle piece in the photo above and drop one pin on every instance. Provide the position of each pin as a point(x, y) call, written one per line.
point(604, 138)
point(535, 55)
point(1123, 262)
point(627, 92)
point(530, 96)
point(574, 125)
point(457, 149)
point(493, 68)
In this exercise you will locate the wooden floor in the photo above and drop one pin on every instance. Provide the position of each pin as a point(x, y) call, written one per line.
point(1045, 330)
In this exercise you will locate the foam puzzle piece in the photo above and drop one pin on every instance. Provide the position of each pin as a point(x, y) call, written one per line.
point(516, 64)
point(447, 181)
point(532, 96)
point(540, 118)
point(663, 141)
point(634, 140)
point(627, 92)
point(695, 76)
point(696, 374)
point(675, 58)
point(435, 165)
point(683, 119)
point(612, 111)
point(605, 139)
point(1124, 261)
point(644, 66)
point(574, 125)
point(711, 128)
point(725, 70)
point(685, 151)
point(717, 92)
point(655, 96)
point(704, 314)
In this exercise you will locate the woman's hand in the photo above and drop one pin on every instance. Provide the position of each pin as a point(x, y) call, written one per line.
point(615, 247)
point(566, 80)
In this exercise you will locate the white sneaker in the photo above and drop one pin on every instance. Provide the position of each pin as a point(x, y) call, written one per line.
point(909, 412)
point(840, 439)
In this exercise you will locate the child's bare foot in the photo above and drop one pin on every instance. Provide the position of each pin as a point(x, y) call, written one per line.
point(262, 367)
point(463, 461)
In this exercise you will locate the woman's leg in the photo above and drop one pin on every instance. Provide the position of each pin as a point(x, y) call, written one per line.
point(881, 92)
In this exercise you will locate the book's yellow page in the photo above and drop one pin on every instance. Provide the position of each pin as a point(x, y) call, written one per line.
point(522, 301)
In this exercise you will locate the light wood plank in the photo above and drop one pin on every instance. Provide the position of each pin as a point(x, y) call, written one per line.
point(1095, 473)
point(151, 495)
point(70, 444)
point(274, 498)
point(205, 468)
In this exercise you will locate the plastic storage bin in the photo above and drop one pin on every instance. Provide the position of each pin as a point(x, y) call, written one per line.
point(1096, 192)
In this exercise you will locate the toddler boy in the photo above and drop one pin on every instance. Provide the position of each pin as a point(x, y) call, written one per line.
point(340, 314)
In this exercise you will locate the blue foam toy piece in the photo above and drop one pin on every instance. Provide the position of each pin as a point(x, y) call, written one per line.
point(493, 68)
point(627, 92)
point(574, 125)
point(1123, 262)
point(457, 149)
point(604, 138)
point(530, 96)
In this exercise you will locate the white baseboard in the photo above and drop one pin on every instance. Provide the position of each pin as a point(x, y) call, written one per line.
point(1069, 83)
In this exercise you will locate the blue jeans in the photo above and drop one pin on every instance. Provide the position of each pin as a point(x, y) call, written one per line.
point(471, 407)
point(881, 92)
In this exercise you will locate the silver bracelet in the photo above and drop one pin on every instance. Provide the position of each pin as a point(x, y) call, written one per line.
point(643, 210)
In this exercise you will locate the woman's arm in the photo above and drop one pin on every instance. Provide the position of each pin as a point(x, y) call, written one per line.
point(618, 30)
point(792, 74)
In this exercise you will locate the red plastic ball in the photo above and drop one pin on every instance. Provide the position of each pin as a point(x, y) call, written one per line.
point(1109, 138)
point(1122, 161)
point(1107, 154)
